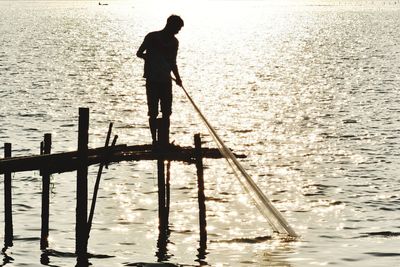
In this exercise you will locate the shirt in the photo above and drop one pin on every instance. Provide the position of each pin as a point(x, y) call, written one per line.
point(161, 52)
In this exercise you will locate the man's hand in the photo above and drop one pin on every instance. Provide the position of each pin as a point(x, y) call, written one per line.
point(178, 82)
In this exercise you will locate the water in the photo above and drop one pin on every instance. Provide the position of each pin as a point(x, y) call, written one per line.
point(307, 89)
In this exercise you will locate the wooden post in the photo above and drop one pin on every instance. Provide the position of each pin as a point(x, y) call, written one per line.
point(201, 195)
point(168, 189)
point(161, 176)
point(161, 193)
point(82, 188)
point(8, 223)
point(45, 196)
point(163, 232)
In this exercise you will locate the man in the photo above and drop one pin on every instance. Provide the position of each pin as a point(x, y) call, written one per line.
point(159, 50)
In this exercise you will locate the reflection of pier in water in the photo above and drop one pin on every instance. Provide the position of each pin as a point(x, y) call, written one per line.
point(79, 160)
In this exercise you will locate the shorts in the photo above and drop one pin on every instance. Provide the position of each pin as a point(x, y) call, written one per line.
point(159, 92)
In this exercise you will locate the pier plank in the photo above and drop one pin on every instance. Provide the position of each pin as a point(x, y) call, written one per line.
point(68, 161)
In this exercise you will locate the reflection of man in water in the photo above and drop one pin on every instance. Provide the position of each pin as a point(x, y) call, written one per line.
point(159, 50)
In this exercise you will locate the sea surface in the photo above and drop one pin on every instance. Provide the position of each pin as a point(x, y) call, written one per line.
point(308, 90)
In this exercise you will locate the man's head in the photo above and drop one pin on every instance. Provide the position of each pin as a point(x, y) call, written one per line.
point(174, 24)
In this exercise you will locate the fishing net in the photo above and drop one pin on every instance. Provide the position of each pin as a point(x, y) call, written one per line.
point(264, 205)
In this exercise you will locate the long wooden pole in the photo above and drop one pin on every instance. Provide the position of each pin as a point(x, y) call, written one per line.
point(97, 183)
point(8, 222)
point(82, 187)
point(45, 197)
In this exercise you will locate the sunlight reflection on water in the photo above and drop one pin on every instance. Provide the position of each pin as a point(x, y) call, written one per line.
point(308, 91)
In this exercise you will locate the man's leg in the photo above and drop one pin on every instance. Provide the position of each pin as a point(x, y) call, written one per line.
point(166, 105)
point(165, 134)
point(152, 104)
point(153, 128)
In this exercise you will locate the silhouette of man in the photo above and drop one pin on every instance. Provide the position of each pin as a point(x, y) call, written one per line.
point(159, 50)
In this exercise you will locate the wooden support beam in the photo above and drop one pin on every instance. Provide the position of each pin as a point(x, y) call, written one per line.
point(161, 194)
point(8, 222)
point(45, 196)
point(55, 161)
point(68, 161)
point(161, 147)
point(97, 183)
point(82, 188)
point(201, 195)
point(168, 189)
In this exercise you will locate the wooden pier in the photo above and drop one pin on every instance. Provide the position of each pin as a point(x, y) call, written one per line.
point(69, 161)
point(81, 159)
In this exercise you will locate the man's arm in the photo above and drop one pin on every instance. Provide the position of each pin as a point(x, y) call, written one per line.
point(174, 68)
point(175, 71)
point(143, 47)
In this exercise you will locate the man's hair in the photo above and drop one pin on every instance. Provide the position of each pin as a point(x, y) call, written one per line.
point(175, 21)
